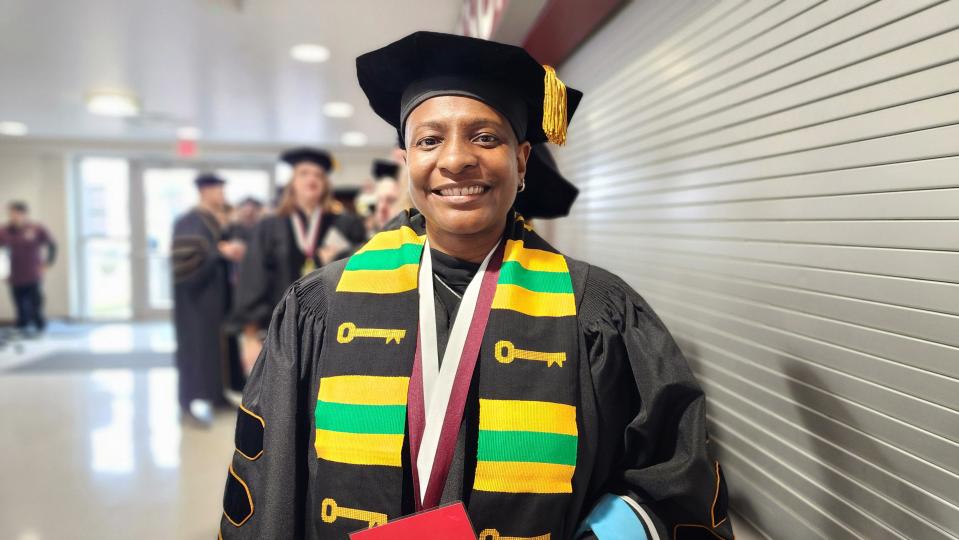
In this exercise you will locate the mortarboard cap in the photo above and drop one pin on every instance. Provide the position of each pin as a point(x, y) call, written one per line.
point(319, 157)
point(399, 77)
point(208, 179)
point(385, 168)
point(346, 192)
point(548, 193)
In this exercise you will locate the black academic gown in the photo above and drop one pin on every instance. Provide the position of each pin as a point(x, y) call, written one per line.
point(239, 231)
point(643, 412)
point(273, 262)
point(201, 301)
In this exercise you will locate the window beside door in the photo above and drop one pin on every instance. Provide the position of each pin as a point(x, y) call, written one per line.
point(104, 238)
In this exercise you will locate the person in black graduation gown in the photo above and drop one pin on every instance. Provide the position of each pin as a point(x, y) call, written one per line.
point(201, 301)
point(386, 193)
point(285, 246)
point(469, 114)
point(248, 213)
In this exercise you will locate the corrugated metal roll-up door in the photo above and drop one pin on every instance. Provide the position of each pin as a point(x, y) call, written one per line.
point(781, 181)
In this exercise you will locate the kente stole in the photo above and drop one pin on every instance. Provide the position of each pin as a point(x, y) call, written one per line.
point(527, 384)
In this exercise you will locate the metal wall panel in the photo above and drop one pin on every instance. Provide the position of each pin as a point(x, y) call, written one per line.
point(780, 180)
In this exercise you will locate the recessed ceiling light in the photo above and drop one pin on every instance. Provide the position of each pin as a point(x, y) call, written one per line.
point(188, 133)
point(309, 52)
point(338, 109)
point(353, 138)
point(113, 104)
point(13, 129)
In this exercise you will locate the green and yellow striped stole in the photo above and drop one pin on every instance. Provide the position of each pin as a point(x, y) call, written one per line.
point(361, 419)
point(387, 264)
point(527, 440)
point(525, 447)
point(534, 282)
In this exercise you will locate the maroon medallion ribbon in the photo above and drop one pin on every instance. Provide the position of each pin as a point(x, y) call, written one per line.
point(416, 414)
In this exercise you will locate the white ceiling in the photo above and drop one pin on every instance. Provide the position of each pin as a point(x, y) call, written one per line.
point(221, 65)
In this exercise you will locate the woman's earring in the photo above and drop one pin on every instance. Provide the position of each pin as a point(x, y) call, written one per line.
point(522, 186)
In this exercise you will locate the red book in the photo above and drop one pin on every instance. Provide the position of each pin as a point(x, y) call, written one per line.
point(448, 522)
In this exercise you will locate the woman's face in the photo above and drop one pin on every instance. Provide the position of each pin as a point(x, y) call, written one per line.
point(309, 182)
point(465, 164)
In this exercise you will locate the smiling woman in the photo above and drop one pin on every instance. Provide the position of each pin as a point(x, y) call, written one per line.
point(457, 356)
point(466, 167)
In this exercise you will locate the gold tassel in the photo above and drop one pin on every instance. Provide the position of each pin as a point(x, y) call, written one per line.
point(554, 107)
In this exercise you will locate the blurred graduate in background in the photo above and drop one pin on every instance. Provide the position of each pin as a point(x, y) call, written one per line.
point(307, 231)
point(201, 301)
point(247, 214)
point(387, 195)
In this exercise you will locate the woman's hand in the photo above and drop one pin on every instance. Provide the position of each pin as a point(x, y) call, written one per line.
point(250, 347)
point(232, 250)
point(327, 254)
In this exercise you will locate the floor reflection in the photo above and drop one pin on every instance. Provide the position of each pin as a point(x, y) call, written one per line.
point(164, 427)
point(103, 450)
point(111, 444)
point(111, 338)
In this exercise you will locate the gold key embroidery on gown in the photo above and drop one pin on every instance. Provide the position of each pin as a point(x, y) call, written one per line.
point(506, 352)
point(349, 331)
point(331, 511)
point(493, 534)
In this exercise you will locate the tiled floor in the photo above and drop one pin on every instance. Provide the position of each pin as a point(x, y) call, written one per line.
point(92, 445)
point(100, 453)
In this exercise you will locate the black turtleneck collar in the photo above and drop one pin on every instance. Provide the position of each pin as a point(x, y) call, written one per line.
point(454, 272)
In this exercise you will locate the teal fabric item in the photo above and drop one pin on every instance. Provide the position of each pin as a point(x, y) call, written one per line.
point(613, 519)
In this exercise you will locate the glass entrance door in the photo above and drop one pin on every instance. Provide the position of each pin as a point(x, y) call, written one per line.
point(168, 193)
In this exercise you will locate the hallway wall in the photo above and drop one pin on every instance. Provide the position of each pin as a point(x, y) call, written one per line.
point(779, 180)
